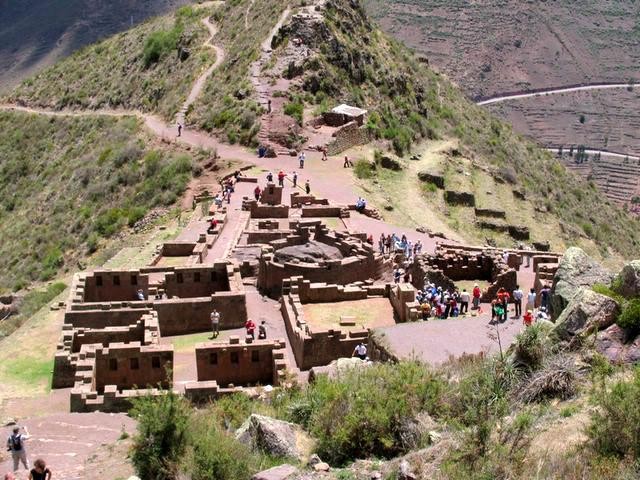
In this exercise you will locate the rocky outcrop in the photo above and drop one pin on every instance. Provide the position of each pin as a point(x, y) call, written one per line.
point(453, 197)
point(336, 368)
point(576, 270)
point(310, 252)
point(274, 437)
point(587, 312)
point(612, 343)
point(390, 162)
point(629, 280)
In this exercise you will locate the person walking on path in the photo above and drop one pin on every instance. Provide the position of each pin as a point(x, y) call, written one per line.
point(15, 444)
point(215, 323)
point(545, 295)
point(281, 176)
point(324, 154)
point(40, 471)
point(262, 330)
point(347, 163)
point(517, 300)
point(179, 129)
point(301, 158)
point(295, 179)
point(307, 187)
point(257, 192)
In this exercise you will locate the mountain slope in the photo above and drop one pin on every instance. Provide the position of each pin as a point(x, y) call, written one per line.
point(68, 182)
point(149, 68)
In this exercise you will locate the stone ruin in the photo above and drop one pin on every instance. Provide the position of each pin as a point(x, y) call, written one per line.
point(340, 258)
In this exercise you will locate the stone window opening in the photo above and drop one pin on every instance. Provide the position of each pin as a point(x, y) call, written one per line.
point(134, 363)
point(98, 281)
point(155, 362)
point(113, 364)
point(116, 280)
point(235, 358)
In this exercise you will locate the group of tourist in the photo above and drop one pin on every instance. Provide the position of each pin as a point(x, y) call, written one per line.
point(250, 327)
point(257, 192)
point(16, 445)
point(500, 305)
point(388, 244)
point(436, 302)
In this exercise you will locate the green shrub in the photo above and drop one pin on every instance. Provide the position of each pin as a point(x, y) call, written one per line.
point(366, 412)
point(159, 44)
point(363, 169)
point(217, 454)
point(530, 347)
point(629, 319)
point(161, 440)
point(608, 292)
point(615, 423)
point(295, 109)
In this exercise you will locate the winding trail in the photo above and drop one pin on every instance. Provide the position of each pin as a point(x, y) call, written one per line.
point(552, 91)
point(198, 86)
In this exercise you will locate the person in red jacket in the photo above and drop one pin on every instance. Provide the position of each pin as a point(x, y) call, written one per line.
point(503, 300)
point(476, 296)
point(257, 192)
point(281, 176)
point(527, 319)
point(251, 328)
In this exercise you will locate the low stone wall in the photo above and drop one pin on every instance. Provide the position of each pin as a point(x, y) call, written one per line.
point(265, 211)
point(299, 200)
point(234, 363)
point(321, 211)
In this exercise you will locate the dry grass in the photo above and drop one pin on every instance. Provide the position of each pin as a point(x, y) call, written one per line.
point(371, 313)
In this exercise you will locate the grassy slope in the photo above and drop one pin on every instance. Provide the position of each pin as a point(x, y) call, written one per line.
point(226, 105)
point(410, 103)
point(114, 74)
point(65, 183)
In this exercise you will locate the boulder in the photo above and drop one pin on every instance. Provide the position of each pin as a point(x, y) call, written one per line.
point(336, 368)
point(541, 246)
point(435, 178)
point(519, 232)
point(575, 270)
point(281, 472)
point(390, 162)
point(274, 437)
point(310, 252)
point(587, 312)
point(629, 279)
point(611, 344)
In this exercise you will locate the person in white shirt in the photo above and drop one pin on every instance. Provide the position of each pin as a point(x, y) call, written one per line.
point(15, 444)
point(517, 300)
point(360, 351)
point(215, 323)
point(464, 301)
point(531, 300)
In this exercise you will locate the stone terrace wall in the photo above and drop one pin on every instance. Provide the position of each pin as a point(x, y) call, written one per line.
point(233, 363)
point(106, 376)
point(265, 211)
point(348, 136)
point(299, 200)
point(318, 348)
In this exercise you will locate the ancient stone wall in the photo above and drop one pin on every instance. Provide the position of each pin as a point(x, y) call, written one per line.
point(241, 363)
point(271, 195)
point(265, 211)
point(348, 136)
point(298, 200)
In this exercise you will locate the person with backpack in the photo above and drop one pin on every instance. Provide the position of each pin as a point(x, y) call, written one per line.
point(262, 330)
point(15, 444)
point(40, 471)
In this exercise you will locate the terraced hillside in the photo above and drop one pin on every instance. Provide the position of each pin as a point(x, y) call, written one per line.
point(499, 47)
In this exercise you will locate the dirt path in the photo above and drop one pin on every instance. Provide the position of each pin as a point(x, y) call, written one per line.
point(552, 91)
point(198, 86)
